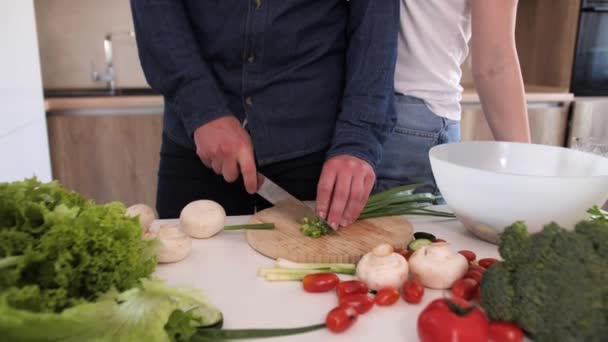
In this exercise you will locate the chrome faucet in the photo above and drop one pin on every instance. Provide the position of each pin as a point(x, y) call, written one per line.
point(108, 75)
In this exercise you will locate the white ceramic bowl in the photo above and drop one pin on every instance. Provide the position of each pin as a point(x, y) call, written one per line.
point(490, 185)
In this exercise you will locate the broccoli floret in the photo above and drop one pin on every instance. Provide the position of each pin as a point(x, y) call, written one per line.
point(497, 292)
point(555, 285)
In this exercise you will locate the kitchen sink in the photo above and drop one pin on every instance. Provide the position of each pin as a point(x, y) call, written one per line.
point(94, 92)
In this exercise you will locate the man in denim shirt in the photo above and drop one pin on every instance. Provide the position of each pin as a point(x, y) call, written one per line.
point(299, 90)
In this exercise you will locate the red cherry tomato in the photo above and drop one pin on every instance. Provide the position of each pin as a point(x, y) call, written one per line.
point(413, 291)
point(487, 262)
point(320, 282)
point(341, 318)
point(452, 320)
point(406, 253)
point(387, 296)
point(465, 288)
point(350, 287)
point(477, 268)
point(474, 274)
point(469, 255)
point(505, 332)
point(362, 303)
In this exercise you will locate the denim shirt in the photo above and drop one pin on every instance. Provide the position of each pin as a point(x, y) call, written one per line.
point(303, 75)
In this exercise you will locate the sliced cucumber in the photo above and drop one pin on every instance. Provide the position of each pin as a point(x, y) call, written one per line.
point(423, 235)
point(416, 244)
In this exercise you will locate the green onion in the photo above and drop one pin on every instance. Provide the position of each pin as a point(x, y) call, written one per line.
point(286, 270)
point(256, 226)
point(313, 227)
point(334, 267)
point(214, 334)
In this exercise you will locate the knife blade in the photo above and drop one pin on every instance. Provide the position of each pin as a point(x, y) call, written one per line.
point(275, 194)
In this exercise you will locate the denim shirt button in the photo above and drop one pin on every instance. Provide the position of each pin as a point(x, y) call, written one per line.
point(249, 101)
point(251, 59)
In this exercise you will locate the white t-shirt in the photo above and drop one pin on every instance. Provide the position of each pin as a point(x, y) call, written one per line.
point(433, 44)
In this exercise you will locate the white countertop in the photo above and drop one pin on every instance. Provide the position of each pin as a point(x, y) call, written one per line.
point(224, 268)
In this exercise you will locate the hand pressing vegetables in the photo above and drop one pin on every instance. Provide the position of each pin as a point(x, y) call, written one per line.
point(393, 202)
point(382, 267)
point(436, 266)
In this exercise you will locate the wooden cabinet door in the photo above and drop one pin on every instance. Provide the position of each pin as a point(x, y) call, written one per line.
point(107, 157)
point(548, 124)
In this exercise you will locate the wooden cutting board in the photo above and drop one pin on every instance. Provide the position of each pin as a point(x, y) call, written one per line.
point(347, 245)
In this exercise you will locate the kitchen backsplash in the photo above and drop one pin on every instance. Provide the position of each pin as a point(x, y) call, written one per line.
point(71, 34)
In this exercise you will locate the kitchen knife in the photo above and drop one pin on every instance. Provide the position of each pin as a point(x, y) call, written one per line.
point(275, 194)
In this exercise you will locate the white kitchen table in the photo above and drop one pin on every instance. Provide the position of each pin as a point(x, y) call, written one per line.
point(224, 268)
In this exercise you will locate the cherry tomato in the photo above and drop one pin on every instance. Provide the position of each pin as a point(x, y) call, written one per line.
point(452, 320)
point(465, 288)
point(439, 240)
point(469, 255)
point(341, 318)
point(474, 274)
point(505, 332)
point(320, 282)
point(350, 287)
point(413, 291)
point(478, 294)
point(477, 268)
point(359, 301)
point(487, 262)
point(387, 296)
point(406, 253)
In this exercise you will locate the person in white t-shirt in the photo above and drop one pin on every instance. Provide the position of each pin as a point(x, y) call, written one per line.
point(433, 43)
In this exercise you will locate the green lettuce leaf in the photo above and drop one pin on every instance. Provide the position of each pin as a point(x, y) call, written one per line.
point(138, 314)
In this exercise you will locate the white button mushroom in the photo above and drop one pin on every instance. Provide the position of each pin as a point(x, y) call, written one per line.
point(202, 219)
point(146, 215)
point(382, 267)
point(436, 266)
point(174, 244)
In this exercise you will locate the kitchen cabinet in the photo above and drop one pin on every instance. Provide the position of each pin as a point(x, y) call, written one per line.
point(548, 123)
point(107, 154)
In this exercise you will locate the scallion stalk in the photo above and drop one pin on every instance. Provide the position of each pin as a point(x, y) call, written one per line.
point(255, 226)
point(214, 334)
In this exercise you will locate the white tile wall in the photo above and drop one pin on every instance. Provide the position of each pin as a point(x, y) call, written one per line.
point(25, 153)
point(23, 137)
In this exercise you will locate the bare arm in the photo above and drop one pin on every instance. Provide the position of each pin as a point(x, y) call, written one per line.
point(496, 70)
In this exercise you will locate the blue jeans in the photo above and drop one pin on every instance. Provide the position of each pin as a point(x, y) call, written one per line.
point(405, 158)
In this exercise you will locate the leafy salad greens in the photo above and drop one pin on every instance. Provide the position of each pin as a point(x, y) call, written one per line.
point(73, 270)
